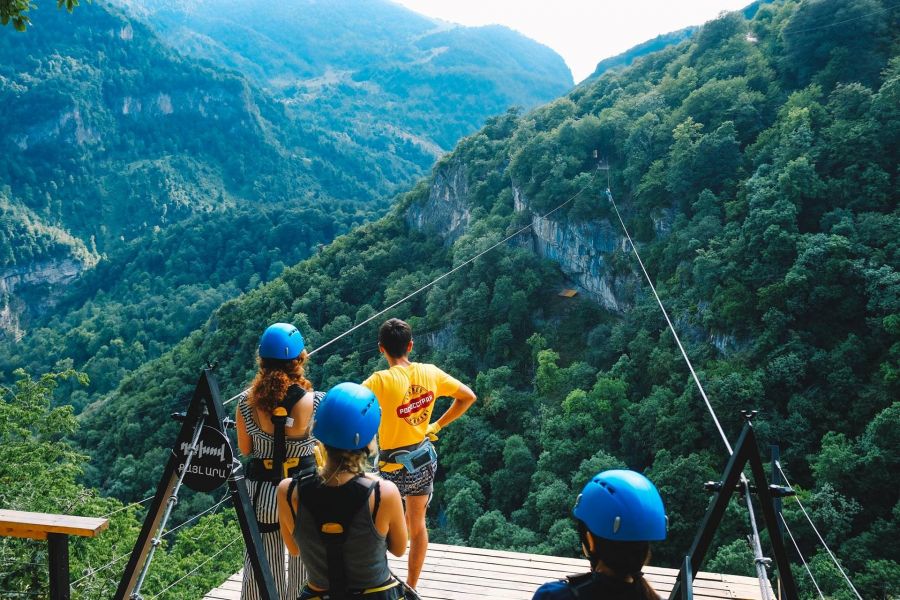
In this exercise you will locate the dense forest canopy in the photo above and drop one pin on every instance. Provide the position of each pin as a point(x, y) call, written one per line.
point(757, 165)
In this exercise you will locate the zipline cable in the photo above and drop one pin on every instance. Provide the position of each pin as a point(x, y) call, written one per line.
point(760, 562)
point(800, 554)
point(195, 569)
point(836, 23)
point(92, 572)
point(436, 279)
point(819, 535)
point(198, 515)
point(687, 360)
point(448, 273)
point(127, 506)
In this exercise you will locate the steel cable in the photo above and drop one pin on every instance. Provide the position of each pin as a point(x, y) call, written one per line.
point(195, 569)
point(819, 535)
point(800, 554)
point(435, 280)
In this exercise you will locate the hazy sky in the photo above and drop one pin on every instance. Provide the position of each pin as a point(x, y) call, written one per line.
point(582, 31)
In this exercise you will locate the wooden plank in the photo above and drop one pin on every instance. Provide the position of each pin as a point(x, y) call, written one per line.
point(36, 526)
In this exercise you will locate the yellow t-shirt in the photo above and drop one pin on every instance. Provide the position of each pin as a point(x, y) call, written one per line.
point(406, 395)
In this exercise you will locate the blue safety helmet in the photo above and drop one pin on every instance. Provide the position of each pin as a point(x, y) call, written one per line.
point(622, 506)
point(347, 418)
point(281, 340)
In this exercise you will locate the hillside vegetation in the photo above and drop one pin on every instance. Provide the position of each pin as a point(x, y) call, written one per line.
point(372, 76)
point(758, 168)
point(771, 158)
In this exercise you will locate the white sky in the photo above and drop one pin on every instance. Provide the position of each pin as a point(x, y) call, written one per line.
point(583, 31)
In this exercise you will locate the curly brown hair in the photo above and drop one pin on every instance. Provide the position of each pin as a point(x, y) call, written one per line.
point(273, 379)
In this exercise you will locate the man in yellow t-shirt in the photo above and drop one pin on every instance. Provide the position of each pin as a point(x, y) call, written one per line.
point(406, 392)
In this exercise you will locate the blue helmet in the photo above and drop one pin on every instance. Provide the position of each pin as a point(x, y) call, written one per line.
point(348, 417)
point(281, 340)
point(623, 506)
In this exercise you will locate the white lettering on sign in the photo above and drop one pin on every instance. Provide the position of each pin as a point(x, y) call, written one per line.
point(205, 471)
point(204, 450)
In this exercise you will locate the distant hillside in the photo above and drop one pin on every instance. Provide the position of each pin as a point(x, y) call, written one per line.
point(375, 72)
point(659, 42)
point(107, 135)
point(643, 49)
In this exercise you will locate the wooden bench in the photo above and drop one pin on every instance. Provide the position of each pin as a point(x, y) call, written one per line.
point(56, 529)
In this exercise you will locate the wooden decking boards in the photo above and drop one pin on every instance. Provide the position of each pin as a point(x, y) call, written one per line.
point(460, 573)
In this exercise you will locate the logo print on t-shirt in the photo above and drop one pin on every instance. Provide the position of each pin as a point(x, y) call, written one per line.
point(415, 404)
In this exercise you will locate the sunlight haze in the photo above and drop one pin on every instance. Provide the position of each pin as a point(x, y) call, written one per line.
point(583, 32)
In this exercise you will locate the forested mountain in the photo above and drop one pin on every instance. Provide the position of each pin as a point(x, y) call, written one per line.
point(757, 166)
point(658, 43)
point(187, 184)
point(392, 83)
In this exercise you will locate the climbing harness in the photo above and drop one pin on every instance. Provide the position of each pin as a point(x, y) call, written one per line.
point(587, 586)
point(279, 467)
point(412, 457)
point(273, 470)
point(333, 510)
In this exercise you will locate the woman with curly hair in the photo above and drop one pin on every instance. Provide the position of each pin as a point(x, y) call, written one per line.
point(280, 388)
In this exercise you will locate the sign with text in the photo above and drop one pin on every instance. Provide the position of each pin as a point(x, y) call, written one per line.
point(211, 464)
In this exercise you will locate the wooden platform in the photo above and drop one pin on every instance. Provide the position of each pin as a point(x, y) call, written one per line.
point(459, 573)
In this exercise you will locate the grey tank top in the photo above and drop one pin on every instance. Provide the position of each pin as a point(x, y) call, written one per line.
point(365, 551)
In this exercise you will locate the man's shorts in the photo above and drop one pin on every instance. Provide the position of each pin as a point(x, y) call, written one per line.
point(419, 483)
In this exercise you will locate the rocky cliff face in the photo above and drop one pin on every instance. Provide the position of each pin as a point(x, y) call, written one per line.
point(29, 291)
point(580, 249)
point(446, 211)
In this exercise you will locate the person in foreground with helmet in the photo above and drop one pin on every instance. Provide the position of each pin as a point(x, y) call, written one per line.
point(272, 423)
point(618, 514)
point(343, 522)
point(407, 392)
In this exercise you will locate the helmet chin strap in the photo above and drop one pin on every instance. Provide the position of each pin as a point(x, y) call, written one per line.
point(586, 544)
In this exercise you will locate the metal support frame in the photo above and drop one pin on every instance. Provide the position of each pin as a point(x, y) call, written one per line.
point(778, 480)
point(58, 559)
point(689, 576)
point(205, 409)
point(746, 451)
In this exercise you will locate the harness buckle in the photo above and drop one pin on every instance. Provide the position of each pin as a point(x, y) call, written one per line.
point(288, 464)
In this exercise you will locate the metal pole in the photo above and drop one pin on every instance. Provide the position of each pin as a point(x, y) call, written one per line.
point(778, 480)
point(760, 561)
point(173, 500)
point(688, 579)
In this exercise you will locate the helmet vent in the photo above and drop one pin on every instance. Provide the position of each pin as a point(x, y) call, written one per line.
point(616, 524)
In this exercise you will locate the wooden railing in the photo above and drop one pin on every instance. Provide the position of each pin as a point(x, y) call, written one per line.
point(56, 529)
